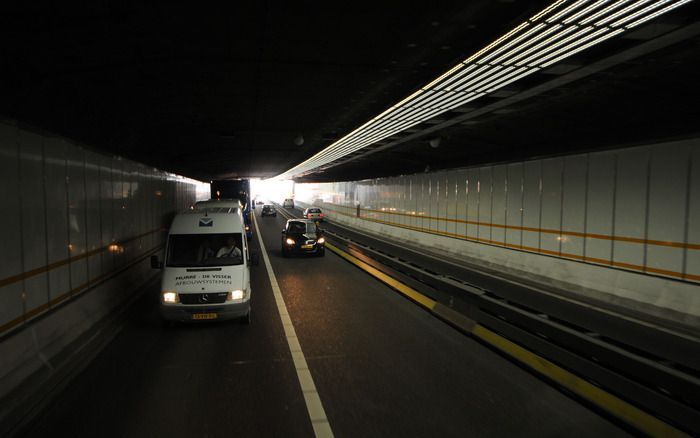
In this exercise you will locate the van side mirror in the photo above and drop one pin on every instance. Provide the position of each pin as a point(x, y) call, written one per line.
point(283, 230)
point(254, 258)
point(155, 263)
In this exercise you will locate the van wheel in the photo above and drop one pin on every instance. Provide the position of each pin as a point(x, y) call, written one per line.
point(285, 253)
point(246, 319)
point(321, 252)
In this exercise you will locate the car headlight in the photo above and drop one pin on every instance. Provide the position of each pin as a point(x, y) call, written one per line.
point(321, 240)
point(290, 241)
point(234, 295)
point(170, 297)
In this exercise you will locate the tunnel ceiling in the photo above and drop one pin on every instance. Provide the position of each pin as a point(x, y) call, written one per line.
point(230, 91)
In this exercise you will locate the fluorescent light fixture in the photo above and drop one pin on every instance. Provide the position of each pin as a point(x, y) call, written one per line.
point(541, 44)
point(503, 84)
point(585, 11)
point(639, 12)
point(602, 12)
point(555, 45)
point(569, 46)
point(585, 46)
point(565, 11)
point(490, 84)
point(506, 70)
point(515, 41)
point(657, 13)
point(629, 8)
point(489, 71)
point(470, 76)
point(525, 44)
point(558, 31)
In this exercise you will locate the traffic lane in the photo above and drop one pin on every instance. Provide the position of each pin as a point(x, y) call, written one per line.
point(212, 379)
point(383, 366)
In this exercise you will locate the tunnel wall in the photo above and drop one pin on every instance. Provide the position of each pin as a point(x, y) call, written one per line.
point(620, 225)
point(77, 230)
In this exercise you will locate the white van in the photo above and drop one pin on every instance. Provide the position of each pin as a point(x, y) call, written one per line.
point(206, 271)
point(234, 204)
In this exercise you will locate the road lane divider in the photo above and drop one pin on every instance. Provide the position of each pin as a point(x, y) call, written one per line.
point(619, 408)
point(314, 406)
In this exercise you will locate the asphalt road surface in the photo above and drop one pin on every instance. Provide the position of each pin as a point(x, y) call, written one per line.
point(382, 366)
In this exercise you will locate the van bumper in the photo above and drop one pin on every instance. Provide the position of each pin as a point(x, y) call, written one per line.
point(186, 313)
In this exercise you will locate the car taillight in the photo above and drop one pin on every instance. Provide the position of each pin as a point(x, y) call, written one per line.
point(320, 214)
point(308, 215)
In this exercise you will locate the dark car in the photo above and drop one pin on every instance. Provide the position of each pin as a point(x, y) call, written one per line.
point(301, 236)
point(268, 210)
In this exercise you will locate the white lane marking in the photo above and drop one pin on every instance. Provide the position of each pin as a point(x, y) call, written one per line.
point(317, 415)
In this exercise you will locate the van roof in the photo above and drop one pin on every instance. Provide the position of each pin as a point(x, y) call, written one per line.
point(206, 222)
point(229, 202)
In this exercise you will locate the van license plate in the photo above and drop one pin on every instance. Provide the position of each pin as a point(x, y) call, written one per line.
point(307, 246)
point(204, 316)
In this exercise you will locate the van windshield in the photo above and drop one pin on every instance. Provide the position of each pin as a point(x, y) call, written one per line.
point(192, 250)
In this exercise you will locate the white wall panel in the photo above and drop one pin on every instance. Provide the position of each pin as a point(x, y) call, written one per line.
point(50, 201)
point(11, 305)
point(444, 203)
point(484, 189)
point(77, 225)
point(150, 198)
point(56, 198)
point(514, 204)
point(692, 268)
point(119, 185)
point(450, 198)
point(574, 204)
point(498, 203)
point(532, 184)
point(630, 206)
point(433, 186)
point(33, 218)
point(131, 212)
point(107, 212)
point(92, 214)
point(473, 203)
point(460, 177)
point(402, 206)
point(552, 174)
point(409, 201)
point(667, 206)
point(424, 202)
point(599, 219)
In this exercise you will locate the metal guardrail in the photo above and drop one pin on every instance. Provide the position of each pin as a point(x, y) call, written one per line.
point(599, 347)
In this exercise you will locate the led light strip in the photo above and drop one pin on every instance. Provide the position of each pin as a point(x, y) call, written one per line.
point(560, 30)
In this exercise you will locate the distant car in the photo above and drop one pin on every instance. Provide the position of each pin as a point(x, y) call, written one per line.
point(303, 236)
point(268, 210)
point(260, 202)
point(288, 203)
point(314, 214)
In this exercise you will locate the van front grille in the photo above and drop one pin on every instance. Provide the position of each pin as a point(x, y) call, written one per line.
point(207, 298)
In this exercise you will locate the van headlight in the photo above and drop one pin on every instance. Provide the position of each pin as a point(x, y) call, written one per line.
point(170, 297)
point(290, 241)
point(236, 295)
point(321, 240)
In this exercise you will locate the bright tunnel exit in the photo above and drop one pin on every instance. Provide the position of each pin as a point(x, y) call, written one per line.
point(271, 190)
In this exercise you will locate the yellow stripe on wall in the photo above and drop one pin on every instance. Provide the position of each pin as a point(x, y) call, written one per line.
point(628, 266)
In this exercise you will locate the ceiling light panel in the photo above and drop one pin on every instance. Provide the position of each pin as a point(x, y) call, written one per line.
point(560, 30)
